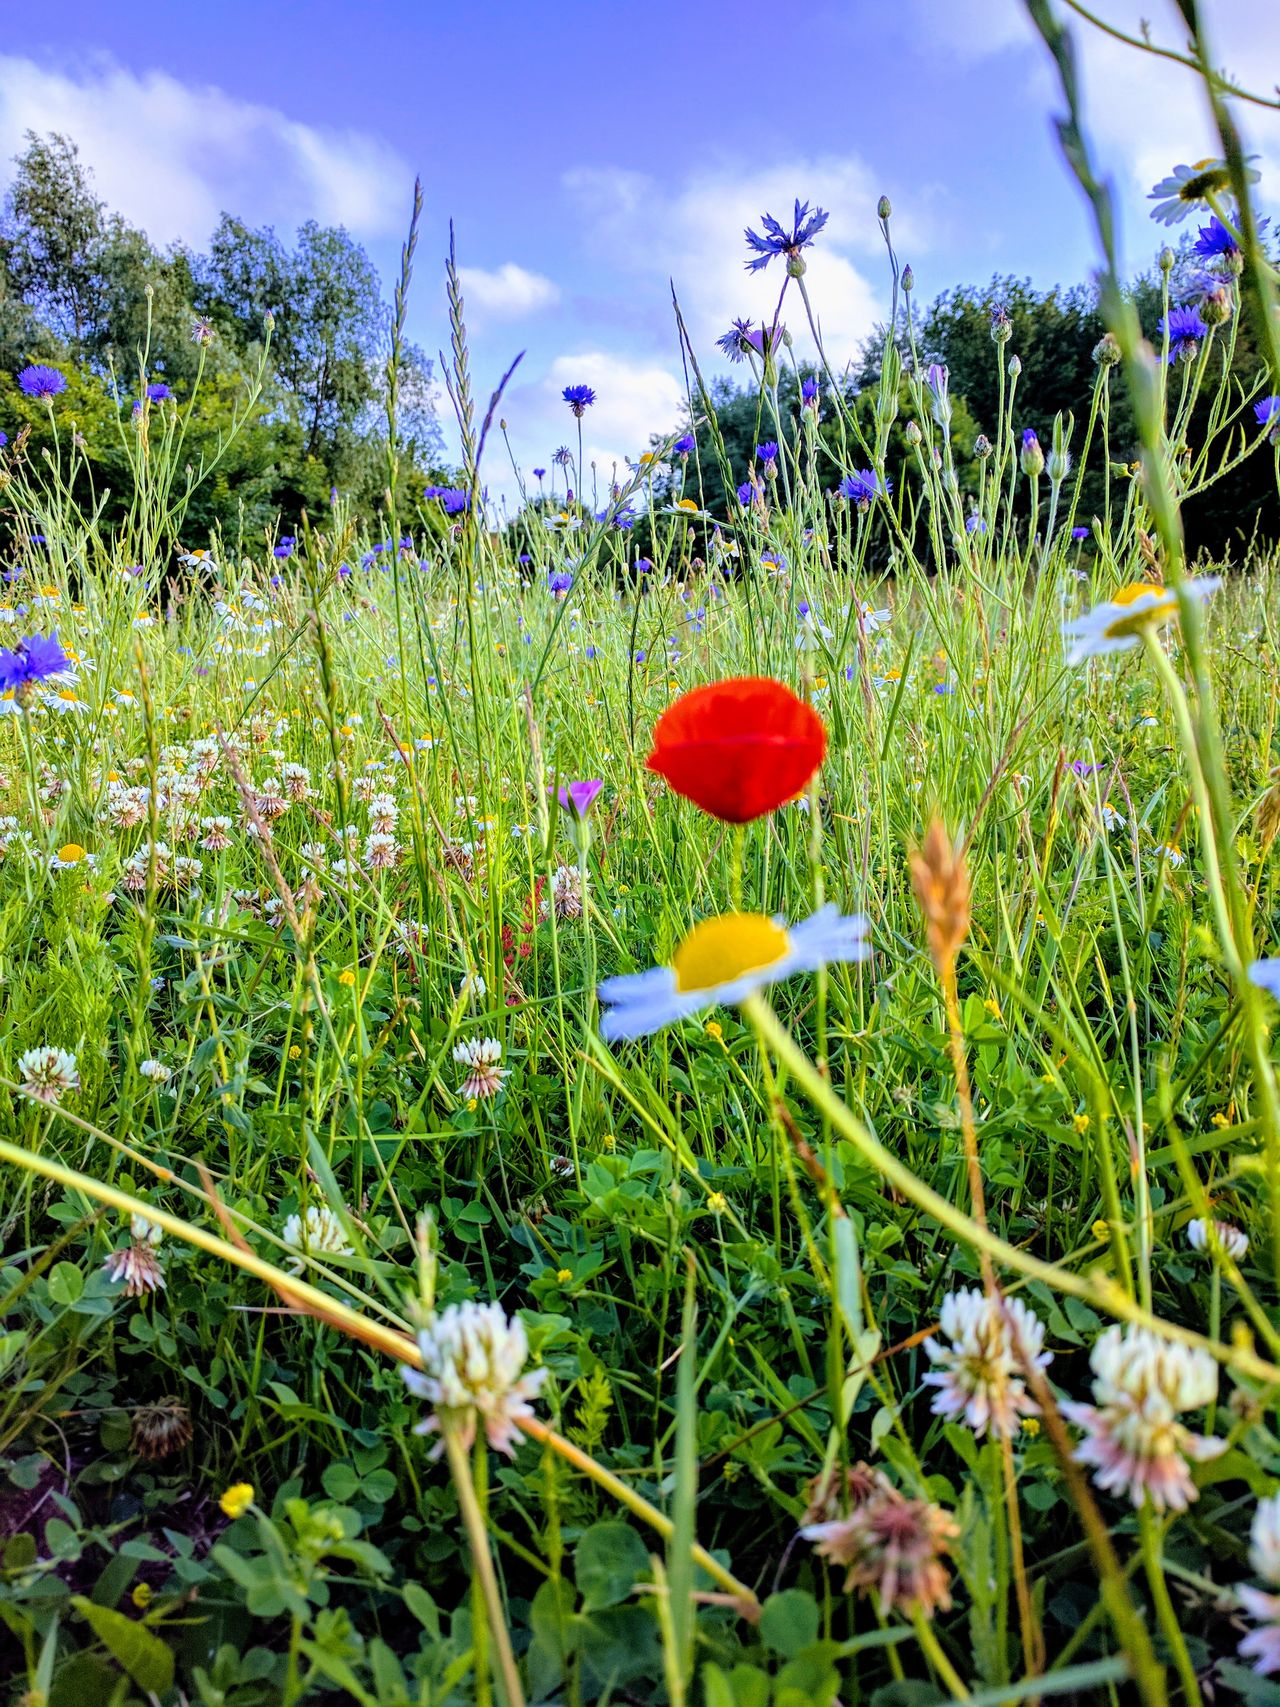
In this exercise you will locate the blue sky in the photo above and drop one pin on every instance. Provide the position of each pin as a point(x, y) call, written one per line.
point(589, 152)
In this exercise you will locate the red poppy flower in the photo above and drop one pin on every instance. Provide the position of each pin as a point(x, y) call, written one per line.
point(740, 748)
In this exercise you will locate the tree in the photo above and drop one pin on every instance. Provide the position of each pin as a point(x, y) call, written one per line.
point(51, 236)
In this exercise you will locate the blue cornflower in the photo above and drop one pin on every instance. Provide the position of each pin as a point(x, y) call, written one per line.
point(973, 523)
point(539, 474)
point(452, 499)
point(746, 492)
point(809, 391)
point(1079, 533)
point(643, 565)
point(284, 546)
point(777, 240)
point(1266, 412)
point(1216, 242)
point(685, 445)
point(4, 439)
point(559, 581)
point(641, 656)
point(158, 391)
point(734, 343)
point(562, 457)
point(579, 398)
point(1185, 329)
point(863, 485)
point(31, 661)
point(767, 452)
point(40, 381)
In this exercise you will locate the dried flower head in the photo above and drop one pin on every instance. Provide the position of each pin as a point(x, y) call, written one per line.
point(158, 1431)
point(473, 1360)
point(893, 1549)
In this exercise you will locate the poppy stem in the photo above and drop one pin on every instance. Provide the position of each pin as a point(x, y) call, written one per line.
point(735, 866)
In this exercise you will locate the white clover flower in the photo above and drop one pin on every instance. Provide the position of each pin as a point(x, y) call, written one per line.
point(725, 960)
point(1132, 1436)
point(979, 1373)
point(47, 1073)
point(381, 851)
point(1231, 1239)
point(317, 1233)
point(472, 988)
point(1122, 620)
point(473, 1361)
point(156, 1071)
point(481, 1057)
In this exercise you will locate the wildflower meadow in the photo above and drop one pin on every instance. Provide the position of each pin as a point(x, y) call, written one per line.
point(664, 1092)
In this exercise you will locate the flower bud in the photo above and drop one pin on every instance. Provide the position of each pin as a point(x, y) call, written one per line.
point(914, 435)
point(982, 447)
point(883, 209)
point(908, 279)
point(1167, 259)
point(1106, 352)
point(1001, 326)
point(1031, 456)
point(1058, 463)
point(1015, 366)
point(1216, 305)
point(796, 268)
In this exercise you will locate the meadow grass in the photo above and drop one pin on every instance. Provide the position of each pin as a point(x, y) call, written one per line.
point(302, 955)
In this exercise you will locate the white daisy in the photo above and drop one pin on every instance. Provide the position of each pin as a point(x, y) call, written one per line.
point(726, 959)
point(1120, 622)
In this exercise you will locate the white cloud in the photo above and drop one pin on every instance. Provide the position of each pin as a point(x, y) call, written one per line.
point(1143, 114)
point(694, 236)
point(634, 398)
point(171, 157)
point(507, 293)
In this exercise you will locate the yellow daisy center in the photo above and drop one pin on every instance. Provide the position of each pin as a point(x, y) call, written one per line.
point(1153, 603)
point(686, 504)
point(722, 949)
point(71, 853)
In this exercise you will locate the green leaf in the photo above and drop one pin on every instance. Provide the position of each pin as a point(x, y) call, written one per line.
point(144, 1656)
point(608, 1562)
point(66, 1283)
point(340, 1482)
point(789, 1621)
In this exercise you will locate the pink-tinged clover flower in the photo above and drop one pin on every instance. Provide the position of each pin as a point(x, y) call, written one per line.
point(1133, 1438)
point(978, 1364)
point(1262, 1644)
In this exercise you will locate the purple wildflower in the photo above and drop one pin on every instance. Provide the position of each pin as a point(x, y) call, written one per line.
point(685, 445)
point(579, 398)
point(41, 381)
point(577, 796)
point(778, 240)
point(32, 660)
point(863, 485)
point(1184, 329)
